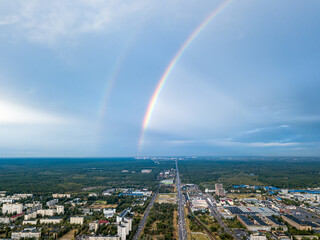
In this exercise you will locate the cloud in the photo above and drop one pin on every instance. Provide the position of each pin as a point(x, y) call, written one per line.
point(254, 144)
point(11, 113)
point(50, 21)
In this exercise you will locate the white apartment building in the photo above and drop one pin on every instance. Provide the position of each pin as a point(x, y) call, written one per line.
point(46, 212)
point(30, 215)
point(122, 232)
point(77, 220)
point(54, 220)
point(109, 213)
point(104, 238)
point(31, 222)
point(26, 233)
point(9, 208)
point(60, 209)
point(124, 224)
point(5, 220)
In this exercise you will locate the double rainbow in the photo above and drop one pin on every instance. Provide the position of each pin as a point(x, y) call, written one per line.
point(172, 64)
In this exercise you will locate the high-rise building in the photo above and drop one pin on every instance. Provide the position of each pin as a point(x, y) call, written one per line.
point(219, 189)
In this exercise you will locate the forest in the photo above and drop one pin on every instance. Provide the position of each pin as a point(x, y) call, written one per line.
point(39, 176)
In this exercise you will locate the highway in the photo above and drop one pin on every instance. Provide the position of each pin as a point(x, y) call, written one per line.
point(145, 216)
point(181, 222)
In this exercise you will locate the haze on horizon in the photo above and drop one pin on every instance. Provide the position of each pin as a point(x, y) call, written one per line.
point(76, 78)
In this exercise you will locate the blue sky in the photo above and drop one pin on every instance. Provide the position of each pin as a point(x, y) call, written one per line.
point(76, 78)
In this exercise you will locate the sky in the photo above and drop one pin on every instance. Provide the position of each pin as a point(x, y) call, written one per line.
point(77, 78)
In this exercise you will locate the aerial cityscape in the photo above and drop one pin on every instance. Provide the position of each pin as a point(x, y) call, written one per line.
point(159, 120)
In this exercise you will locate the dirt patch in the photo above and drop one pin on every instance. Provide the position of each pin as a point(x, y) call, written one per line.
point(69, 235)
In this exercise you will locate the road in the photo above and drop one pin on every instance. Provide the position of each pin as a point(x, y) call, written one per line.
point(215, 213)
point(145, 216)
point(181, 222)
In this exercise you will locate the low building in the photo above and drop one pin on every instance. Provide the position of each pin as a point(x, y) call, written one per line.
point(61, 195)
point(296, 222)
point(52, 220)
point(104, 238)
point(255, 225)
point(29, 222)
point(109, 213)
point(275, 223)
point(300, 237)
point(46, 212)
point(93, 226)
point(146, 170)
point(258, 236)
point(77, 220)
point(27, 233)
point(4, 220)
point(52, 202)
point(15, 217)
point(30, 215)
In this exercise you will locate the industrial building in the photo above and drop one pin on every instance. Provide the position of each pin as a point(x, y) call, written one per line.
point(263, 211)
point(295, 222)
point(255, 225)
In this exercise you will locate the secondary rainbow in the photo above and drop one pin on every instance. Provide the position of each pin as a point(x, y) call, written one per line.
point(171, 65)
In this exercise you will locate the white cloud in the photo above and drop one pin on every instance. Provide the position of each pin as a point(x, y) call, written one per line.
point(11, 113)
point(253, 144)
point(49, 21)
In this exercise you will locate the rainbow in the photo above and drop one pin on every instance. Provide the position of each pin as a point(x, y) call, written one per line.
point(172, 64)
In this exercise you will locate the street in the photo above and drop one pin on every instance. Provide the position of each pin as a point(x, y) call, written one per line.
point(181, 221)
point(145, 216)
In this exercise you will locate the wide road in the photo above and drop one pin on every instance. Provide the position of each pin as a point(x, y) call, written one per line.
point(145, 216)
point(181, 222)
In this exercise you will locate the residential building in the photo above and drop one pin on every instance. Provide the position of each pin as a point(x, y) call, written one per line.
point(52, 202)
point(27, 233)
point(10, 208)
point(219, 189)
point(15, 217)
point(104, 238)
point(53, 220)
point(29, 222)
point(46, 212)
point(61, 195)
point(93, 226)
point(4, 220)
point(60, 209)
point(109, 213)
point(122, 232)
point(77, 220)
